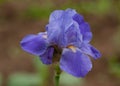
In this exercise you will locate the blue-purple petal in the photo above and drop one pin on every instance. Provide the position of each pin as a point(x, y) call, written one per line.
point(75, 63)
point(54, 31)
point(34, 44)
point(60, 22)
point(86, 32)
point(46, 58)
point(61, 14)
point(56, 15)
point(90, 50)
point(67, 20)
point(78, 18)
point(73, 36)
point(70, 12)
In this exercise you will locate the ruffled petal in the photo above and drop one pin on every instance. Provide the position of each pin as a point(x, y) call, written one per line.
point(78, 18)
point(75, 63)
point(59, 23)
point(90, 50)
point(85, 31)
point(46, 58)
point(84, 28)
point(34, 44)
point(70, 12)
point(56, 15)
point(67, 18)
point(73, 36)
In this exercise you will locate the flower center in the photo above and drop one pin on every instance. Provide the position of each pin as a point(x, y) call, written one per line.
point(56, 54)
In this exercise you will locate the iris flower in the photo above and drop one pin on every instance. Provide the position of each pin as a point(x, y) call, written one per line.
point(66, 41)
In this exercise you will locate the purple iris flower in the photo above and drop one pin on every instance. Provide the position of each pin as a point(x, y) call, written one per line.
point(66, 40)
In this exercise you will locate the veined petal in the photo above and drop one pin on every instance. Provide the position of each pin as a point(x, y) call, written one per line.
point(46, 58)
point(90, 50)
point(75, 63)
point(34, 44)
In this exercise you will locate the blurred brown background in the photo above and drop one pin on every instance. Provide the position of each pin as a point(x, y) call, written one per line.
point(21, 17)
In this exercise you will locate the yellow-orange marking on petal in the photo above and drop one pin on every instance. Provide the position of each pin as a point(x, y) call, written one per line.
point(73, 48)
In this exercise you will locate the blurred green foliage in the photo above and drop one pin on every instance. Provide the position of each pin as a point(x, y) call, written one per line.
point(37, 11)
point(116, 39)
point(23, 79)
point(114, 66)
point(68, 80)
point(100, 7)
point(103, 6)
point(42, 10)
point(117, 9)
point(42, 69)
point(2, 1)
point(0, 79)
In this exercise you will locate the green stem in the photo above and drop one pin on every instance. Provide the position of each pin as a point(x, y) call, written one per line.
point(57, 75)
point(57, 78)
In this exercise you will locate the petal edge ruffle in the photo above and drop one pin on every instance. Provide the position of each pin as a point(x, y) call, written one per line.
point(90, 50)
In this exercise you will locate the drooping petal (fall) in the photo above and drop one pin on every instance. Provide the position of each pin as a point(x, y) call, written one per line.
point(34, 44)
point(90, 50)
point(75, 63)
point(46, 58)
